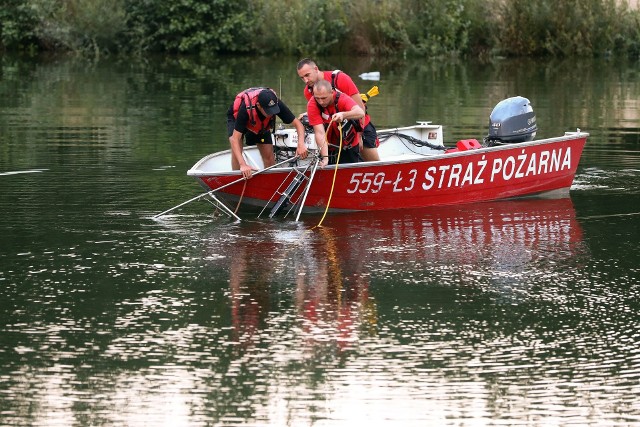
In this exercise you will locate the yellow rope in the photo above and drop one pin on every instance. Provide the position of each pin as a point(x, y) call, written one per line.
point(244, 187)
point(335, 171)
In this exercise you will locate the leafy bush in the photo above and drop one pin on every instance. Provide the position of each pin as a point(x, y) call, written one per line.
point(18, 22)
point(189, 26)
point(379, 27)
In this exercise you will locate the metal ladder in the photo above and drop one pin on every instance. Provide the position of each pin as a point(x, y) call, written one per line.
point(286, 198)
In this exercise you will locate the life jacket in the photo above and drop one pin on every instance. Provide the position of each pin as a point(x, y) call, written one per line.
point(350, 128)
point(255, 123)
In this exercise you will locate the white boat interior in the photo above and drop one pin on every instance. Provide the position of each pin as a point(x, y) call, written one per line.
point(396, 144)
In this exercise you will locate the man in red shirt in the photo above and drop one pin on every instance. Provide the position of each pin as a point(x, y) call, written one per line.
point(331, 112)
point(310, 74)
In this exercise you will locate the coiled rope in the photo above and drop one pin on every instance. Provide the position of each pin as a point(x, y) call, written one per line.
point(333, 182)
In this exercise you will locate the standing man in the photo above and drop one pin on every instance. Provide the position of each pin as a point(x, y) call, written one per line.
point(331, 112)
point(253, 115)
point(310, 75)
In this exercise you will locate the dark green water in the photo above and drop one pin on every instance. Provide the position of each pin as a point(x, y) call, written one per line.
point(508, 313)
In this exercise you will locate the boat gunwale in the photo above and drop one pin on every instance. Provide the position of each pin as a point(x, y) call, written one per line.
point(195, 172)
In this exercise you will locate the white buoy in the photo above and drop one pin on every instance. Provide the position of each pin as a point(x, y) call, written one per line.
point(371, 75)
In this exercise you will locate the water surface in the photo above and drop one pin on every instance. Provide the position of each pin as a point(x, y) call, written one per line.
point(504, 313)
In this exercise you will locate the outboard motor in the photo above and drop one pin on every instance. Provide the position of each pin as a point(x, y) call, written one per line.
point(512, 120)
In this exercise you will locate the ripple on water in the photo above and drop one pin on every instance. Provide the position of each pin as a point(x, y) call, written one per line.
point(470, 317)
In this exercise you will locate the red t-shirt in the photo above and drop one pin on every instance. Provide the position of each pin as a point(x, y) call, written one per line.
point(318, 116)
point(344, 84)
point(342, 81)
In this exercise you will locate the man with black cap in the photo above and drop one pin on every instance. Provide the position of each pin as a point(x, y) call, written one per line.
point(252, 114)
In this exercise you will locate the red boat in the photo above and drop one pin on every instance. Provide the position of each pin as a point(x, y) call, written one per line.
point(415, 169)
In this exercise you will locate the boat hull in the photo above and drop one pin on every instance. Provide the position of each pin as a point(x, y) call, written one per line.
point(537, 168)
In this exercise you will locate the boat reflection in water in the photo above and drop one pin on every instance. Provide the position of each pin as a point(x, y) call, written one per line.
point(300, 270)
point(414, 316)
point(326, 274)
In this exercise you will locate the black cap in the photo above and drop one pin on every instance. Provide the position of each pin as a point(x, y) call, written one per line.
point(269, 102)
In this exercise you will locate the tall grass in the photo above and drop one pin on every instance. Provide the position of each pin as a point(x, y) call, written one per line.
point(309, 27)
point(300, 26)
point(79, 25)
point(566, 27)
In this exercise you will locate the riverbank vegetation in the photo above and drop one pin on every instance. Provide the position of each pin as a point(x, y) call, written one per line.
point(472, 28)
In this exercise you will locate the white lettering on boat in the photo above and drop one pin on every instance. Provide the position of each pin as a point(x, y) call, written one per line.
point(483, 164)
point(461, 175)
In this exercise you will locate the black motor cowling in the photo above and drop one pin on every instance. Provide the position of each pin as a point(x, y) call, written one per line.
point(512, 120)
